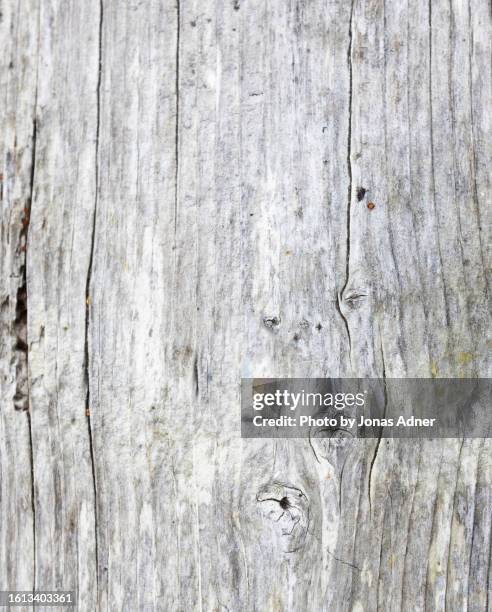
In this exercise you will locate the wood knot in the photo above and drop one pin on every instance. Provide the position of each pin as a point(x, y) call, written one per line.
point(332, 446)
point(271, 322)
point(355, 299)
point(361, 192)
point(287, 507)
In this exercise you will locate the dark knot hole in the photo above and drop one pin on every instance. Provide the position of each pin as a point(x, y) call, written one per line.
point(284, 503)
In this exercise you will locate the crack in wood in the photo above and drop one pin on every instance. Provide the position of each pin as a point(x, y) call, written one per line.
point(349, 144)
point(176, 133)
point(21, 398)
point(349, 195)
point(88, 289)
point(378, 443)
point(29, 422)
point(288, 507)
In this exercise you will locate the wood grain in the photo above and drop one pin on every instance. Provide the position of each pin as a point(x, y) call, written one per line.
point(197, 191)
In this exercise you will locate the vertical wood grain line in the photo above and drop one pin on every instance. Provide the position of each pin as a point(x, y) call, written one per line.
point(87, 293)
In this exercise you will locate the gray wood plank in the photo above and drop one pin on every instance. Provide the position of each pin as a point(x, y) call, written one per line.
point(227, 189)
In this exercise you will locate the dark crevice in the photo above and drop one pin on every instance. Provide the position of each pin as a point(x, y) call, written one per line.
point(33, 163)
point(349, 145)
point(176, 132)
point(33, 503)
point(21, 396)
point(284, 503)
point(28, 414)
point(349, 194)
point(21, 332)
point(196, 385)
point(385, 407)
point(21, 322)
point(340, 312)
point(88, 296)
point(21, 399)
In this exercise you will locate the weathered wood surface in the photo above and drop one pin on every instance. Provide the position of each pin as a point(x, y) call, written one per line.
point(172, 175)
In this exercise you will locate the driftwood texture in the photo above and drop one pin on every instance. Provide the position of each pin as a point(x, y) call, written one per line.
point(184, 201)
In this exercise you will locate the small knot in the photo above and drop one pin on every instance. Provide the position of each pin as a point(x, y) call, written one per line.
point(355, 299)
point(284, 503)
point(271, 322)
point(287, 508)
point(332, 446)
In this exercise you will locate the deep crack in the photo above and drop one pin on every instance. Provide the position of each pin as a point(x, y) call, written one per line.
point(88, 296)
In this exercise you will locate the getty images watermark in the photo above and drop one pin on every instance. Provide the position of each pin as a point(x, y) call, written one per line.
point(339, 401)
point(364, 408)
